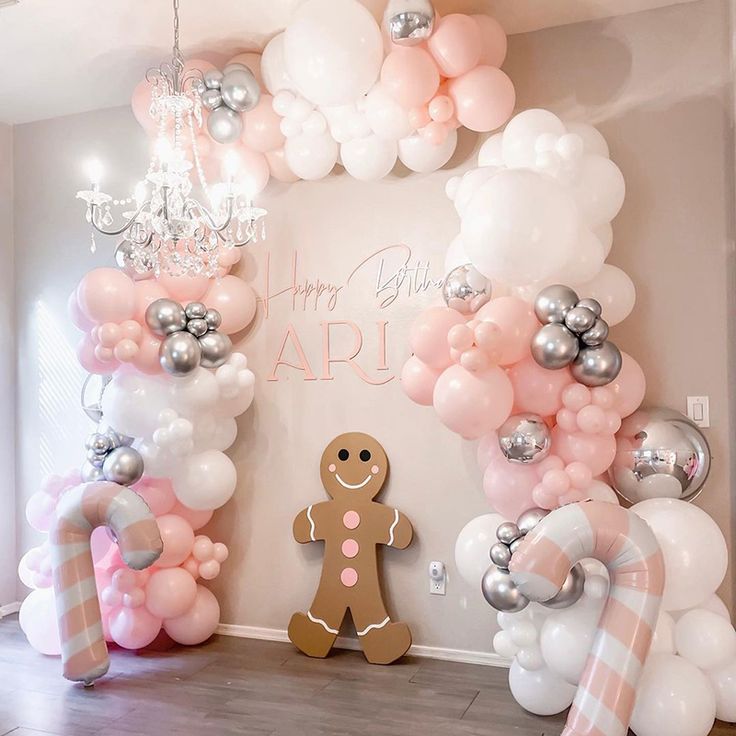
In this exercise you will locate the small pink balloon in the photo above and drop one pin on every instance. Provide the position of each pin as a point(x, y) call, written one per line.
point(556, 482)
point(474, 360)
point(576, 396)
point(103, 354)
point(629, 387)
point(536, 389)
point(133, 628)
point(209, 570)
point(568, 420)
point(147, 359)
point(517, 322)
point(473, 404)
point(178, 538)
point(89, 360)
point(147, 292)
point(435, 133)
point(184, 289)
point(191, 566)
point(134, 599)
point(78, 318)
point(493, 40)
point(131, 330)
point(591, 419)
point(263, 127)
point(203, 549)
point(125, 351)
point(279, 168)
point(579, 474)
point(455, 44)
point(484, 98)
point(170, 592)
point(157, 493)
point(124, 580)
point(197, 519)
point(594, 450)
point(106, 295)
point(198, 623)
point(221, 552)
point(410, 76)
point(508, 487)
point(418, 380)
point(441, 108)
point(234, 300)
point(428, 335)
point(419, 117)
point(460, 337)
point(603, 397)
point(551, 462)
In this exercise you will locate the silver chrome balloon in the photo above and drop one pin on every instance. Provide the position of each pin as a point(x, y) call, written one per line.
point(216, 348)
point(596, 335)
point(133, 261)
point(213, 319)
point(213, 78)
point(570, 591)
point(661, 454)
point(580, 319)
point(165, 316)
point(524, 439)
point(409, 22)
point(554, 346)
point(225, 125)
point(501, 555)
point(211, 99)
point(554, 302)
point(197, 327)
point(195, 310)
point(597, 366)
point(124, 465)
point(466, 290)
point(592, 304)
point(240, 89)
point(180, 354)
point(530, 518)
point(507, 532)
point(501, 592)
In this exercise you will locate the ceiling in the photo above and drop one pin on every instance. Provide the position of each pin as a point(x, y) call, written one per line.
point(69, 56)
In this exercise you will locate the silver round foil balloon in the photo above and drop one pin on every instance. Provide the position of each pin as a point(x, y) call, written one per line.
point(570, 591)
point(225, 125)
point(524, 439)
point(592, 304)
point(213, 78)
point(530, 518)
point(213, 319)
point(211, 99)
point(660, 454)
point(138, 268)
point(165, 316)
point(216, 348)
point(91, 473)
point(554, 346)
point(554, 302)
point(197, 327)
point(596, 335)
point(501, 592)
point(508, 532)
point(466, 290)
point(240, 89)
point(124, 465)
point(580, 319)
point(500, 555)
point(597, 366)
point(409, 22)
point(180, 354)
point(195, 310)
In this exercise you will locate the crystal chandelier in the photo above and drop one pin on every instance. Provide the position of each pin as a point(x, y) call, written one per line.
point(165, 228)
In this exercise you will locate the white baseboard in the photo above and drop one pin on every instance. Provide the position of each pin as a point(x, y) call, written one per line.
point(451, 655)
point(9, 608)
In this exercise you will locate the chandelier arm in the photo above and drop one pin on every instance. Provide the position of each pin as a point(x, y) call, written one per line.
point(128, 224)
point(211, 218)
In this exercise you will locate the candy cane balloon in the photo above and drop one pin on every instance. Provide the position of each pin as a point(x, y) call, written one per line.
point(626, 545)
point(82, 509)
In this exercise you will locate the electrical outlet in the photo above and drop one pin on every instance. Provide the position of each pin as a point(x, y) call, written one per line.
point(698, 410)
point(437, 578)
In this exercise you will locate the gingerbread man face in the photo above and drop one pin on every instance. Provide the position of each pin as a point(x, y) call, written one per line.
point(353, 465)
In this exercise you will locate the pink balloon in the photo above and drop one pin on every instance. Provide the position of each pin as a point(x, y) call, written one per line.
point(184, 289)
point(252, 60)
point(146, 359)
point(157, 493)
point(418, 380)
point(178, 538)
point(89, 360)
point(629, 387)
point(147, 292)
point(253, 172)
point(170, 592)
point(455, 44)
point(197, 519)
point(106, 295)
point(441, 109)
point(410, 76)
point(78, 318)
point(536, 389)
point(234, 300)
point(263, 127)
point(484, 98)
point(279, 168)
point(473, 404)
point(133, 628)
point(594, 450)
point(429, 334)
point(494, 43)
point(488, 449)
point(517, 322)
point(198, 623)
point(508, 487)
point(141, 104)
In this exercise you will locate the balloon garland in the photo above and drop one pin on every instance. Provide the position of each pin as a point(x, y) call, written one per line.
point(518, 361)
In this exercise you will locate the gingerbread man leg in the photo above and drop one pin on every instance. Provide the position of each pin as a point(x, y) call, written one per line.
point(315, 631)
point(383, 642)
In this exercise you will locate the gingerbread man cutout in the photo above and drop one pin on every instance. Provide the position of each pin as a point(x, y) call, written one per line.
point(353, 469)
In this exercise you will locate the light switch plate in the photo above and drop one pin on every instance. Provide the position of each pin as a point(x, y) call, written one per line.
point(698, 410)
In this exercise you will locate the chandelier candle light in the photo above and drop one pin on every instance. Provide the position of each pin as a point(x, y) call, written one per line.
point(170, 230)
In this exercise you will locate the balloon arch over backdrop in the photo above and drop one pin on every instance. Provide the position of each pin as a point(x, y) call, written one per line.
point(519, 359)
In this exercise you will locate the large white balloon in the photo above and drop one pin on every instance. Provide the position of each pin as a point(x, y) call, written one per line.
point(205, 481)
point(724, 684)
point(705, 639)
point(695, 552)
point(614, 290)
point(423, 157)
point(520, 227)
point(37, 619)
point(473, 545)
point(540, 691)
point(663, 641)
point(133, 401)
point(311, 156)
point(674, 698)
point(333, 51)
point(387, 118)
point(521, 134)
point(368, 158)
point(598, 189)
point(273, 67)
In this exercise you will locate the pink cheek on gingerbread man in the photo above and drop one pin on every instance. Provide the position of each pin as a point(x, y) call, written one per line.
point(332, 468)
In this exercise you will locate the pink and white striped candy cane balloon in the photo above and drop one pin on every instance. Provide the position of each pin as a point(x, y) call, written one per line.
point(82, 509)
point(627, 546)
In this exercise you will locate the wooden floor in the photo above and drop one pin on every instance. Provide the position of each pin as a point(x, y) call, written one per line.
point(242, 687)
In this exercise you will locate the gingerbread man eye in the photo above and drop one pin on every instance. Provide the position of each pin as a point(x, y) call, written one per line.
point(365, 456)
point(343, 455)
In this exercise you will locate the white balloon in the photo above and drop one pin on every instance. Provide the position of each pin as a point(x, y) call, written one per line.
point(674, 698)
point(523, 633)
point(205, 481)
point(663, 641)
point(585, 263)
point(723, 681)
point(504, 646)
point(593, 142)
point(695, 552)
point(473, 545)
point(468, 186)
point(37, 619)
point(368, 158)
point(273, 67)
point(705, 639)
point(195, 393)
point(132, 402)
point(521, 134)
point(540, 691)
point(491, 152)
point(715, 604)
point(520, 227)
point(614, 290)
point(456, 255)
point(604, 233)
point(386, 117)
point(530, 658)
point(600, 491)
point(598, 189)
point(311, 156)
point(423, 157)
point(333, 51)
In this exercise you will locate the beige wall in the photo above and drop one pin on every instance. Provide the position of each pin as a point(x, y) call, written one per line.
point(658, 83)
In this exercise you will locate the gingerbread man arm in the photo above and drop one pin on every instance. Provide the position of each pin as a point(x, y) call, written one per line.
point(306, 524)
point(400, 531)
